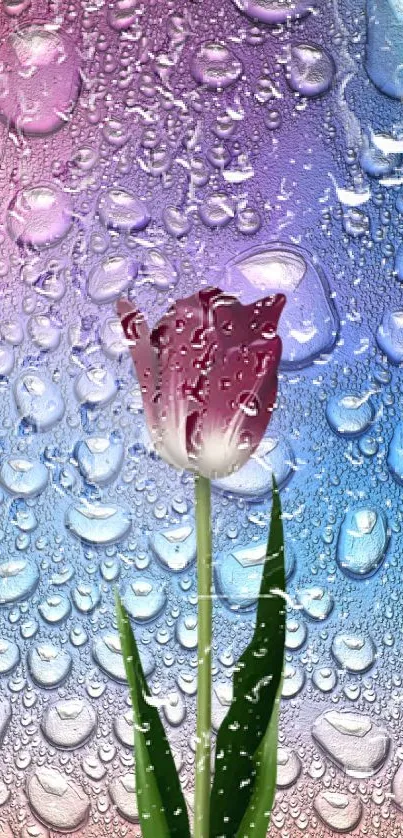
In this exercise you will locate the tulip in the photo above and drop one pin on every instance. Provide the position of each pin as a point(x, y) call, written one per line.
point(208, 377)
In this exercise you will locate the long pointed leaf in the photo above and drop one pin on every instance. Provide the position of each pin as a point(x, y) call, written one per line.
point(256, 819)
point(239, 763)
point(161, 804)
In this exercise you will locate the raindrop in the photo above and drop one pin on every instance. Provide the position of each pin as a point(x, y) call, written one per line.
point(97, 523)
point(69, 722)
point(57, 800)
point(39, 401)
point(39, 216)
point(121, 210)
point(49, 666)
point(40, 79)
point(215, 66)
point(362, 542)
point(352, 741)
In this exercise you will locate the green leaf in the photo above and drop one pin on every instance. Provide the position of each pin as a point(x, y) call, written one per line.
point(246, 750)
point(256, 819)
point(161, 804)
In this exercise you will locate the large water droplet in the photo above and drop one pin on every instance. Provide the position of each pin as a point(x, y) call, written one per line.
point(39, 216)
point(108, 280)
point(350, 415)
point(353, 652)
point(215, 66)
point(57, 800)
point(69, 722)
point(123, 793)
point(175, 547)
point(390, 336)
point(339, 811)
point(40, 81)
point(144, 599)
point(23, 478)
point(100, 459)
point(275, 11)
point(38, 400)
point(49, 665)
point(352, 741)
point(98, 523)
point(18, 580)
point(362, 542)
point(310, 70)
point(120, 210)
point(107, 653)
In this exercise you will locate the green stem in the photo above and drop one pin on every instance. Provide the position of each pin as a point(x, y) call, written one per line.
point(204, 632)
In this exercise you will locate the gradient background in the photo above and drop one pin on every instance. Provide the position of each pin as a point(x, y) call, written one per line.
point(143, 121)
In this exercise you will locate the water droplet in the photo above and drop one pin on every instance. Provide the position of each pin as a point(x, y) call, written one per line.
point(217, 210)
point(97, 523)
point(100, 459)
point(395, 454)
point(108, 655)
point(274, 11)
point(6, 360)
point(375, 162)
point(49, 666)
point(144, 599)
point(316, 602)
point(362, 542)
point(44, 334)
point(120, 210)
point(158, 270)
point(123, 726)
point(397, 787)
point(311, 69)
point(324, 678)
point(339, 811)
point(108, 280)
point(175, 547)
point(352, 741)
point(122, 14)
point(39, 216)
point(186, 631)
point(23, 478)
point(390, 336)
point(69, 722)
point(294, 680)
point(95, 387)
point(57, 800)
point(384, 34)
point(288, 767)
point(215, 66)
point(353, 652)
point(296, 634)
point(123, 793)
point(86, 598)
point(350, 415)
point(177, 223)
point(9, 656)
point(39, 401)
point(40, 79)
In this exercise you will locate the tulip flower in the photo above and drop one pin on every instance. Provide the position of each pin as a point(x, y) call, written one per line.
point(208, 377)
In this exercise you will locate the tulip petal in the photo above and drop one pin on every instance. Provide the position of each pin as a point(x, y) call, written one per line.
point(144, 357)
point(241, 399)
point(262, 316)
